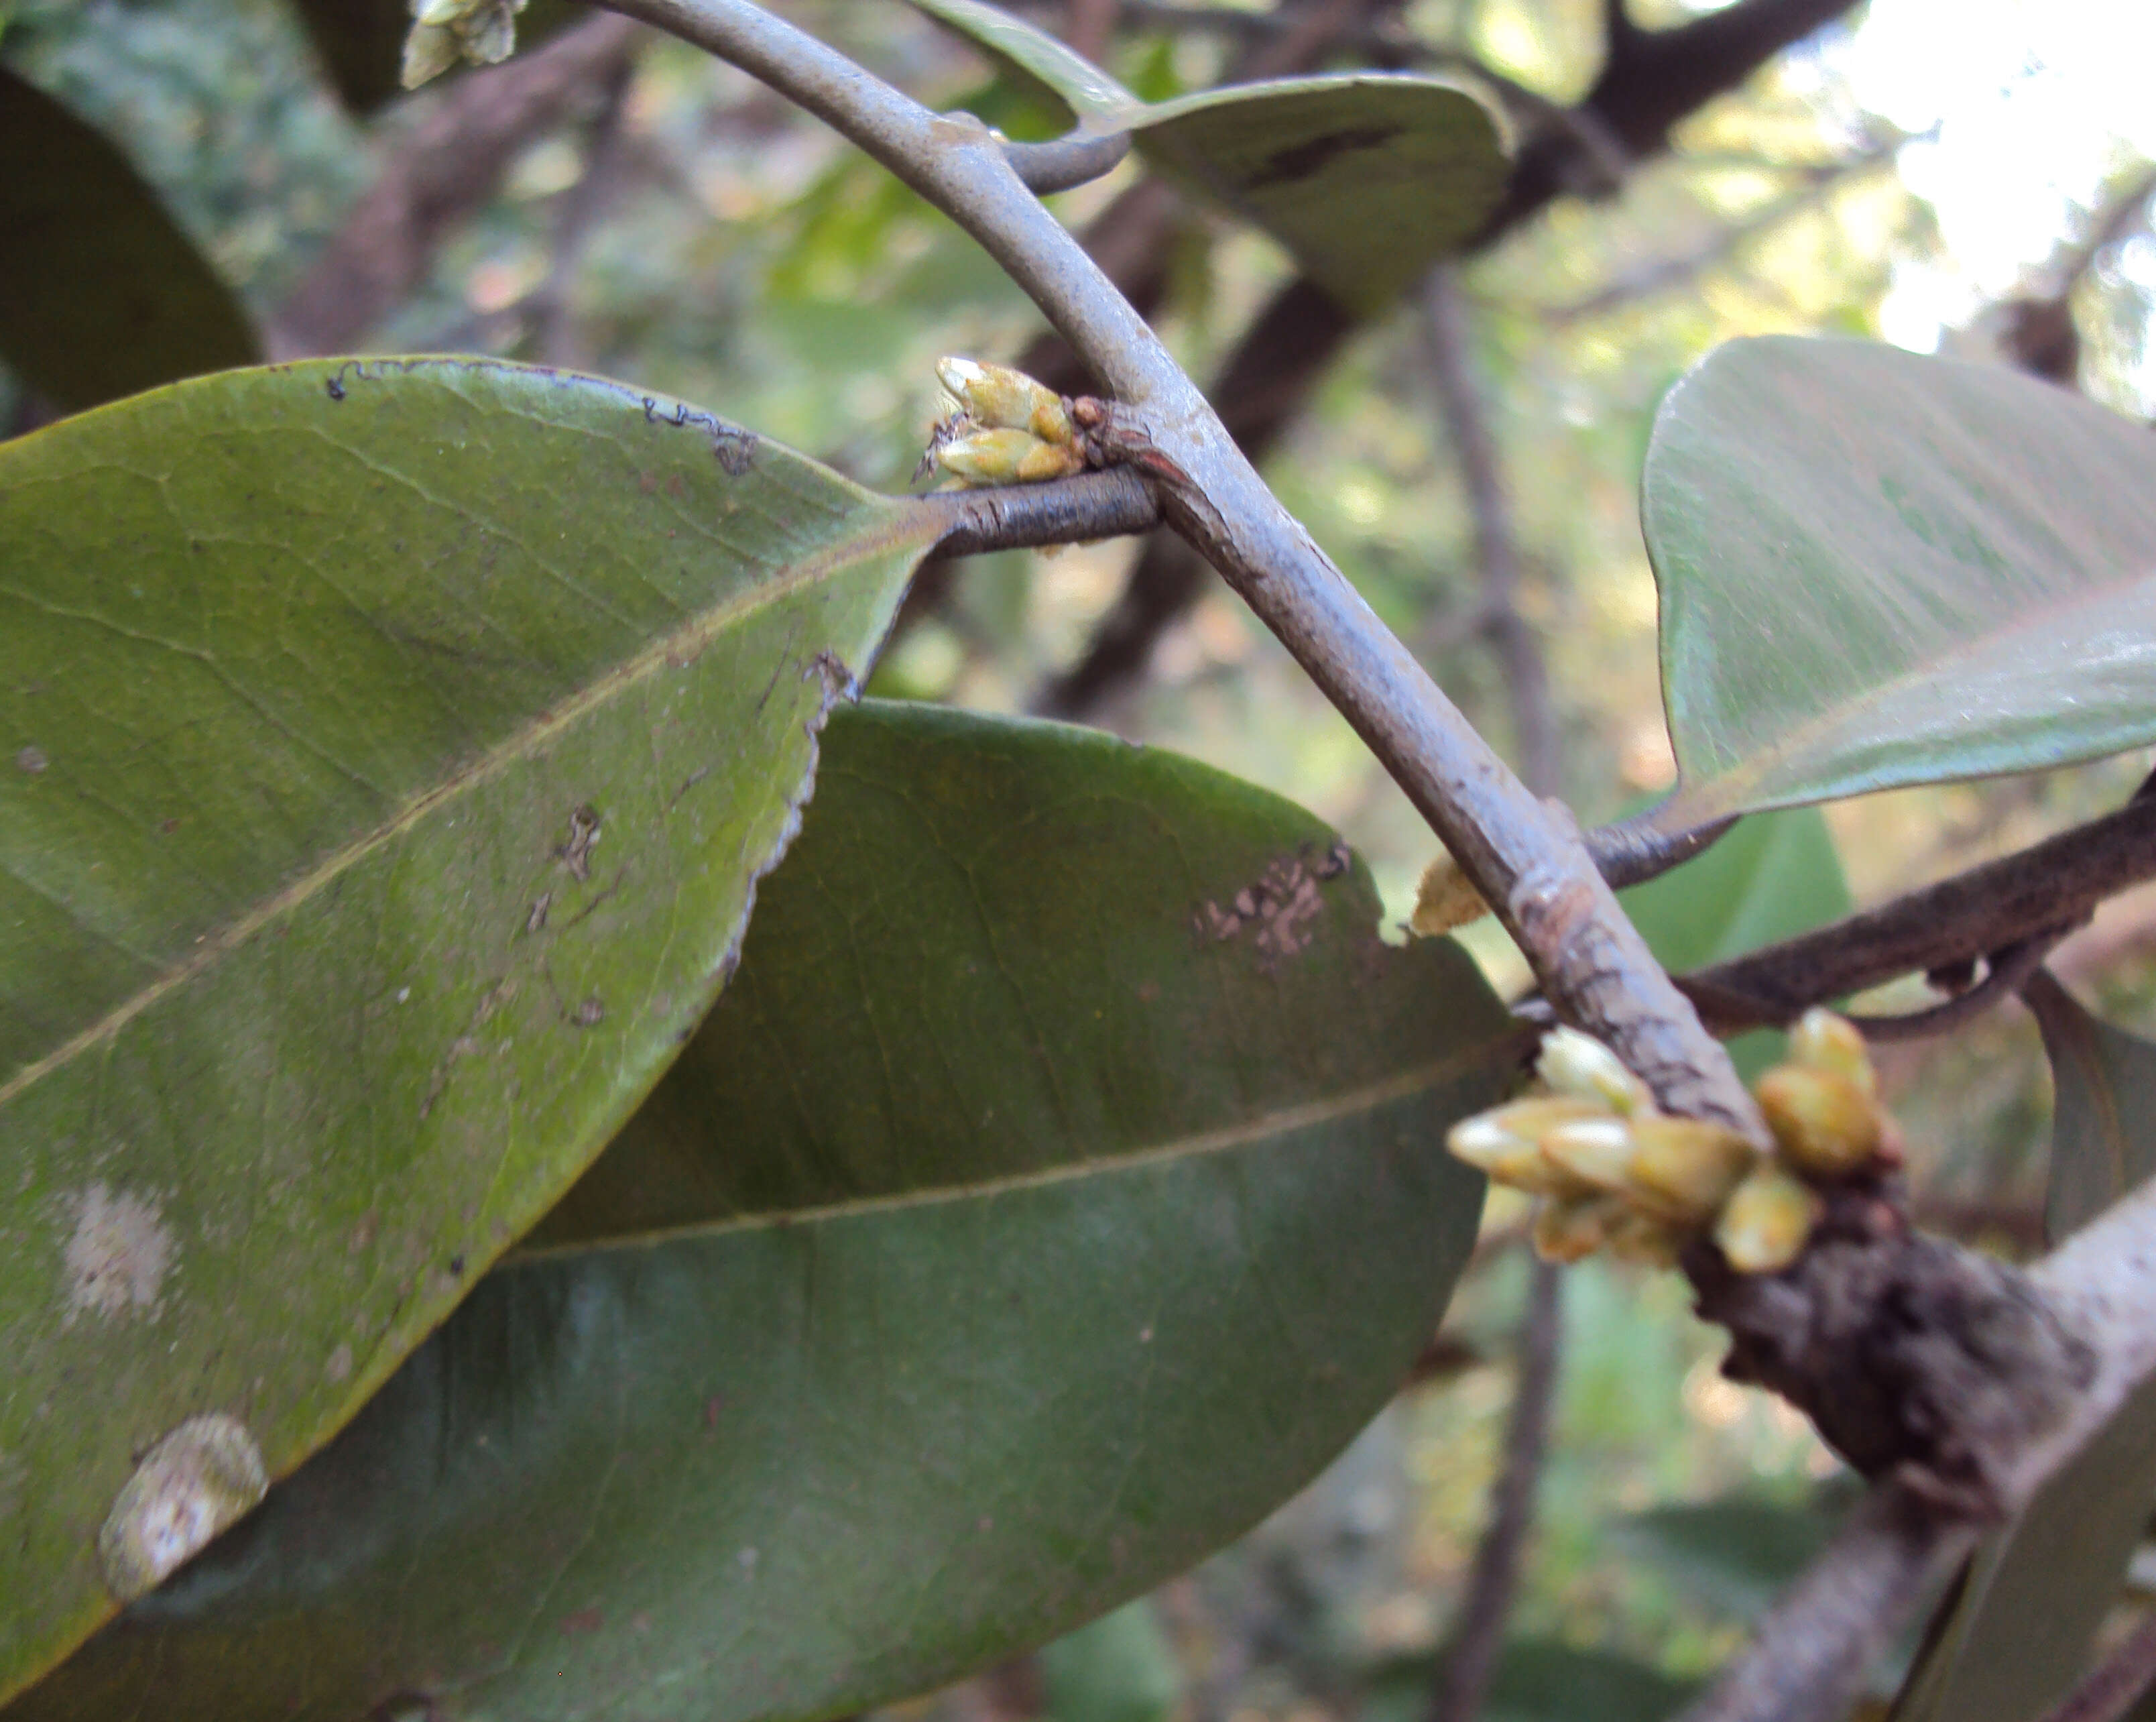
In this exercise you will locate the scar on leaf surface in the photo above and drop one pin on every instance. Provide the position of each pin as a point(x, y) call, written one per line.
point(118, 1255)
point(1283, 904)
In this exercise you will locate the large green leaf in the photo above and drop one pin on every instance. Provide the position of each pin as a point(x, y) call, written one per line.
point(1059, 1185)
point(1775, 876)
point(101, 294)
point(388, 752)
point(1367, 178)
point(2014, 1637)
point(1879, 569)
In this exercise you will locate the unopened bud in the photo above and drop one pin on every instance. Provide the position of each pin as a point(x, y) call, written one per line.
point(1005, 456)
point(1684, 1169)
point(1763, 1226)
point(1506, 1142)
point(1825, 1041)
point(1596, 1152)
point(1570, 1228)
point(1576, 1064)
point(1823, 1123)
point(1445, 900)
point(1000, 398)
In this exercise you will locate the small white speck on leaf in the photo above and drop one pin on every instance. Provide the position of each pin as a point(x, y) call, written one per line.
point(200, 1479)
point(119, 1254)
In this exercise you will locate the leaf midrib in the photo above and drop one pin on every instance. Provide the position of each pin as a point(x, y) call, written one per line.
point(888, 529)
point(1278, 1122)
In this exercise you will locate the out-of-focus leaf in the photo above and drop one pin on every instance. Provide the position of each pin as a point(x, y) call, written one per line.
point(2014, 1637)
point(978, 1265)
point(1120, 1668)
point(1775, 876)
point(2104, 1084)
point(361, 41)
point(1541, 1680)
point(1879, 569)
point(1736, 1555)
point(387, 755)
point(1367, 178)
point(101, 294)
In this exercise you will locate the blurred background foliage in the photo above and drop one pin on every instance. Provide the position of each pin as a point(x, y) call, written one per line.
point(1948, 177)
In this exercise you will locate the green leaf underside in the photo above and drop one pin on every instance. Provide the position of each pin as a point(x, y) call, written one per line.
point(2016, 1636)
point(1776, 876)
point(1367, 178)
point(1878, 569)
point(312, 997)
point(978, 1266)
point(101, 294)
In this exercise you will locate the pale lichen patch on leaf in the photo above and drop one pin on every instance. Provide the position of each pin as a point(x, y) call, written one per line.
point(200, 1479)
point(118, 1255)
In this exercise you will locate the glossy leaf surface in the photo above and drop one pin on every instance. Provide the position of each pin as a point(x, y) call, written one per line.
point(1367, 178)
point(387, 755)
point(2015, 1638)
point(1879, 569)
point(101, 293)
point(979, 1266)
point(1775, 876)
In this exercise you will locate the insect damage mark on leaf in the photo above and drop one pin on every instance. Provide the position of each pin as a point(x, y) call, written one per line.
point(119, 1254)
point(201, 1478)
point(584, 833)
point(1282, 904)
point(1302, 161)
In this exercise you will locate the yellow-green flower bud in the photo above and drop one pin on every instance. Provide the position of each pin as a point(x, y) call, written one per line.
point(1004, 457)
point(1000, 398)
point(1569, 1228)
point(1825, 1041)
point(1573, 1063)
point(1763, 1226)
point(1823, 1123)
point(1684, 1169)
point(1596, 1152)
point(1506, 1142)
point(1445, 900)
point(429, 50)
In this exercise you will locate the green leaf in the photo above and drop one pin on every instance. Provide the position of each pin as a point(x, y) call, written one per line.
point(2013, 1636)
point(1736, 1555)
point(388, 752)
point(1775, 876)
point(1089, 92)
point(1367, 178)
point(1120, 1668)
point(1878, 569)
point(979, 1266)
point(361, 41)
point(2104, 1082)
point(101, 294)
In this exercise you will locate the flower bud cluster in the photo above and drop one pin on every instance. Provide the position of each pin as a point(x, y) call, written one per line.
point(481, 33)
point(1004, 428)
point(1614, 1173)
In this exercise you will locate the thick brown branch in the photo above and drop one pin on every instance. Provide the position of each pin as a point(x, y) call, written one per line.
point(2053, 884)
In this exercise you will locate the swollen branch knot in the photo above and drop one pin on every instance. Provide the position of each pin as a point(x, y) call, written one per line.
point(1912, 1356)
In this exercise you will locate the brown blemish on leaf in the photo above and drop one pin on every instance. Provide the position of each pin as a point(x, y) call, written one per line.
point(1300, 161)
point(1278, 909)
point(589, 1015)
point(576, 854)
point(31, 761)
point(339, 1367)
point(119, 1255)
point(536, 922)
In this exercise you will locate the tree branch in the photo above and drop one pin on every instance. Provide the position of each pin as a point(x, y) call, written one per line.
point(1527, 859)
point(2055, 883)
point(1660, 78)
